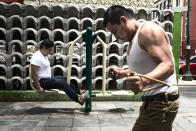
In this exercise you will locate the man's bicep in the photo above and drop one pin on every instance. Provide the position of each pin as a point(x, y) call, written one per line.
point(34, 68)
point(157, 46)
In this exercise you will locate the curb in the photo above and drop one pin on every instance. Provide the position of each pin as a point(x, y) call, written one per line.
point(27, 96)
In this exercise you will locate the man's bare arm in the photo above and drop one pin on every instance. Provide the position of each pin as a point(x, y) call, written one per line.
point(154, 40)
point(34, 75)
point(119, 73)
point(125, 73)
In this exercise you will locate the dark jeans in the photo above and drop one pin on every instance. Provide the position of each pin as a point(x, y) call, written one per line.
point(60, 83)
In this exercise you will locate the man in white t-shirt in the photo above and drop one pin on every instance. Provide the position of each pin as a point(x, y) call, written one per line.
point(148, 53)
point(41, 74)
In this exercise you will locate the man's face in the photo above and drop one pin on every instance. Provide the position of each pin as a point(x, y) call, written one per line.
point(46, 51)
point(118, 30)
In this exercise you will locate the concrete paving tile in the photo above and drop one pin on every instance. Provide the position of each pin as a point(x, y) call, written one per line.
point(130, 128)
point(181, 120)
point(93, 112)
point(67, 104)
point(11, 117)
point(41, 118)
point(61, 115)
point(112, 122)
point(113, 115)
point(3, 109)
point(105, 106)
point(130, 121)
point(187, 127)
point(129, 115)
point(187, 109)
point(56, 129)
point(56, 122)
point(87, 116)
point(177, 127)
point(41, 123)
point(192, 119)
point(17, 125)
point(83, 122)
point(47, 111)
point(36, 129)
point(35, 117)
point(115, 128)
point(86, 129)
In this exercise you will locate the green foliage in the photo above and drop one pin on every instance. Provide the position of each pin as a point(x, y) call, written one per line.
point(177, 39)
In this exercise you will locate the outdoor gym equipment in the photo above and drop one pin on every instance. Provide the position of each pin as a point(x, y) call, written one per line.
point(56, 91)
point(88, 38)
point(158, 81)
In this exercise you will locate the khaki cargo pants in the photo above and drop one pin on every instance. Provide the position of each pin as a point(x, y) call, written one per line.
point(156, 116)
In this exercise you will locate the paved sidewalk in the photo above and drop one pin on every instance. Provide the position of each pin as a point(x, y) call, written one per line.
point(105, 116)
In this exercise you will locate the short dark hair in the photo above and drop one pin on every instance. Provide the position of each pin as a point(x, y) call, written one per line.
point(113, 14)
point(46, 43)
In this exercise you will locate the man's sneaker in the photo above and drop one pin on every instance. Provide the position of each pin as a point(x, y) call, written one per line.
point(82, 98)
point(81, 92)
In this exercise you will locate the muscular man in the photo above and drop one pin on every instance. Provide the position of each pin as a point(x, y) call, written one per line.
point(149, 53)
point(41, 74)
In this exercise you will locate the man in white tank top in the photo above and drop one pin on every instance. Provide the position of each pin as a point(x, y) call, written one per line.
point(149, 53)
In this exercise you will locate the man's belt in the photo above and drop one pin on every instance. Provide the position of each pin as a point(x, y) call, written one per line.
point(160, 97)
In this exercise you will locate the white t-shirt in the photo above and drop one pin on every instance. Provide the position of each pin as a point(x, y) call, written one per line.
point(42, 61)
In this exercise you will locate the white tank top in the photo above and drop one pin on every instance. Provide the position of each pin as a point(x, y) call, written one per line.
point(140, 61)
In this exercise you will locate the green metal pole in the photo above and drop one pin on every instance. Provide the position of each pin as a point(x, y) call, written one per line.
point(88, 38)
point(188, 46)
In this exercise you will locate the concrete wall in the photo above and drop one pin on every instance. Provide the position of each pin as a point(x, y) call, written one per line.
point(23, 27)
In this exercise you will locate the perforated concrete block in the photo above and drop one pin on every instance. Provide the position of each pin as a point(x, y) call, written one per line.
point(4, 9)
point(15, 34)
point(59, 70)
point(3, 34)
point(167, 15)
point(16, 83)
point(17, 70)
point(3, 83)
point(59, 23)
point(59, 11)
point(59, 59)
point(30, 10)
point(59, 35)
point(30, 22)
point(16, 46)
point(44, 22)
point(16, 58)
point(15, 21)
point(44, 34)
point(87, 22)
point(16, 9)
point(44, 10)
point(3, 70)
point(73, 11)
point(3, 22)
point(30, 34)
point(87, 12)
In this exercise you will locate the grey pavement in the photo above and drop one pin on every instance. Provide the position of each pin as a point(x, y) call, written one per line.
point(105, 116)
